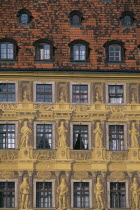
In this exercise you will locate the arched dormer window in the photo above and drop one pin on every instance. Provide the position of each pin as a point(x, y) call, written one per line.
point(114, 51)
point(79, 50)
point(8, 49)
point(127, 19)
point(44, 50)
point(76, 18)
point(24, 16)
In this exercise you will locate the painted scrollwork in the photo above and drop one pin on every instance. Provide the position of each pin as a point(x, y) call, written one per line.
point(98, 190)
point(134, 136)
point(62, 193)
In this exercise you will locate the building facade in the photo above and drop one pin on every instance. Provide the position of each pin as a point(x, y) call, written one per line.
point(70, 104)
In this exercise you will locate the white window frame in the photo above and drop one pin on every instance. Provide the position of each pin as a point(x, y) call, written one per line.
point(44, 83)
point(120, 52)
point(16, 92)
point(90, 191)
point(16, 132)
point(89, 134)
point(53, 191)
point(53, 133)
point(107, 94)
point(75, 83)
point(125, 135)
point(16, 191)
point(108, 193)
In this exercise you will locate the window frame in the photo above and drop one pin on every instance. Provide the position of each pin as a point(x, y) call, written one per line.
point(90, 192)
point(89, 135)
point(106, 50)
point(114, 51)
point(14, 51)
point(44, 83)
point(53, 134)
point(16, 91)
point(16, 133)
point(71, 93)
point(108, 192)
point(125, 136)
point(16, 191)
point(80, 16)
point(87, 51)
point(53, 192)
point(27, 12)
point(107, 93)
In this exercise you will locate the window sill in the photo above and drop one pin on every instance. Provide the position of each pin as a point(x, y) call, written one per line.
point(8, 61)
point(127, 27)
point(44, 61)
point(122, 104)
point(79, 62)
point(114, 63)
point(75, 26)
point(107, 1)
point(26, 24)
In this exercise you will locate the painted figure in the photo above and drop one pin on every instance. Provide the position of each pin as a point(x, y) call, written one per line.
point(135, 193)
point(25, 131)
point(24, 190)
point(98, 190)
point(98, 136)
point(134, 136)
point(62, 135)
point(62, 191)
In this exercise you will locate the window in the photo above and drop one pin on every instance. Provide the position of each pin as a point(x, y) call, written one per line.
point(76, 18)
point(7, 194)
point(44, 50)
point(127, 18)
point(44, 93)
point(80, 137)
point(81, 194)
point(116, 137)
point(79, 93)
point(44, 136)
point(117, 195)
point(7, 51)
point(79, 51)
point(24, 16)
point(44, 194)
point(114, 51)
point(116, 94)
point(7, 92)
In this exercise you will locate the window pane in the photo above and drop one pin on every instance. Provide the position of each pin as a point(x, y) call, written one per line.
point(75, 20)
point(80, 137)
point(7, 194)
point(44, 93)
point(116, 137)
point(116, 94)
point(7, 92)
point(80, 93)
point(6, 51)
point(44, 51)
point(44, 194)
point(81, 195)
point(79, 52)
point(24, 18)
point(115, 53)
point(127, 21)
point(44, 136)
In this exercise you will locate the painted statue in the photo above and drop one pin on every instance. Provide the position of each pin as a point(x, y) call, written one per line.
point(98, 135)
point(24, 190)
point(135, 193)
point(134, 136)
point(98, 190)
point(62, 192)
point(25, 131)
point(62, 135)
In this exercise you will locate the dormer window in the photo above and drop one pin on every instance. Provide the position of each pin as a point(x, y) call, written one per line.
point(8, 49)
point(24, 16)
point(43, 50)
point(127, 19)
point(76, 18)
point(114, 51)
point(79, 50)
